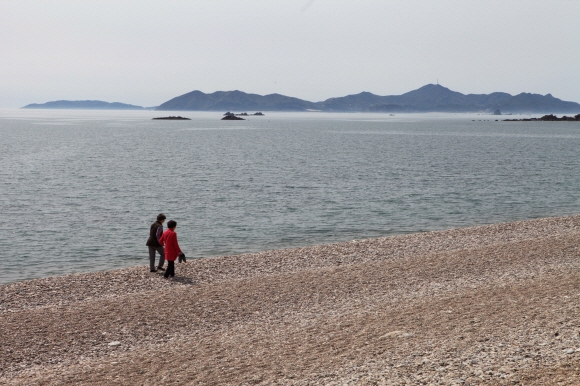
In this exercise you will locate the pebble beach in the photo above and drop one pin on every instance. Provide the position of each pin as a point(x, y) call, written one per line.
point(495, 304)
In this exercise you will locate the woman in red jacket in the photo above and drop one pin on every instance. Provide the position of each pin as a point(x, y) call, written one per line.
point(172, 250)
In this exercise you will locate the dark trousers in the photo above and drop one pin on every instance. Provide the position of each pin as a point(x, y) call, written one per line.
point(170, 271)
point(152, 257)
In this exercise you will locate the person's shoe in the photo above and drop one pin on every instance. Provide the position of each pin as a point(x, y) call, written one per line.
point(153, 270)
point(161, 268)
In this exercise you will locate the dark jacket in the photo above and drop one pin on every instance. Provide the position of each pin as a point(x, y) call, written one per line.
point(152, 240)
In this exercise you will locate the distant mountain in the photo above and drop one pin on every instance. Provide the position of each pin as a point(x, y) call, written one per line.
point(234, 100)
point(429, 98)
point(85, 105)
point(525, 102)
point(436, 98)
point(356, 102)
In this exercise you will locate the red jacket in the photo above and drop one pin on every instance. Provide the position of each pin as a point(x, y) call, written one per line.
point(169, 240)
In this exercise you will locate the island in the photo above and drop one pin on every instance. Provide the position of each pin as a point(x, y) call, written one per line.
point(232, 117)
point(429, 98)
point(259, 113)
point(547, 118)
point(172, 118)
point(85, 105)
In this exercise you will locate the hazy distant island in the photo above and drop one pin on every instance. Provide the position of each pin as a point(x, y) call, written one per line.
point(429, 98)
point(172, 118)
point(86, 105)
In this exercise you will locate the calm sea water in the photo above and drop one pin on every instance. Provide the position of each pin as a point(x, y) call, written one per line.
point(79, 189)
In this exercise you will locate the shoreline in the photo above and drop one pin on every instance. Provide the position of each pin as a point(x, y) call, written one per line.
point(486, 304)
point(282, 248)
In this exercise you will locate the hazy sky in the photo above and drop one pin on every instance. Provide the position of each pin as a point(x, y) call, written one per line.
point(146, 52)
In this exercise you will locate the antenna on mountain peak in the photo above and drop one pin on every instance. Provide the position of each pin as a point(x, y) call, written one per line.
point(437, 81)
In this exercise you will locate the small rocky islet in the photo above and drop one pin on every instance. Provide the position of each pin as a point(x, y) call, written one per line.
point(172, 118)
point(232, 117)
point(229, 116)
point(547, 118)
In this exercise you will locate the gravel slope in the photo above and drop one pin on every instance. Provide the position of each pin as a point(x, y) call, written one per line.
point(495, 304)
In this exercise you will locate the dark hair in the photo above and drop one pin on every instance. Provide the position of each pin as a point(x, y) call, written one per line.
point(161, 217)
point(171, 224)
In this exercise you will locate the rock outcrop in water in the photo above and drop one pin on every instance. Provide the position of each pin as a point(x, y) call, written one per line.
point(232, 117)
point(172, 118)
point(547, 118)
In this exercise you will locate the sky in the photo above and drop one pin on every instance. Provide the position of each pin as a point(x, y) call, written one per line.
point(147, 52)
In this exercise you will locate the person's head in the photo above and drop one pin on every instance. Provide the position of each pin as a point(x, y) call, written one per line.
point(171, 224)
point(161, 218)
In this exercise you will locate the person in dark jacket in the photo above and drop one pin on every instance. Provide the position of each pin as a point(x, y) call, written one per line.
point(169, 240)
point(155, 233)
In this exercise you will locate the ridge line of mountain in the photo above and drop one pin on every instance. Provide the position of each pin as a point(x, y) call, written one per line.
point(429, 98)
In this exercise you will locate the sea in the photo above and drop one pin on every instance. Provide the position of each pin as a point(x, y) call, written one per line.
point(79, 189)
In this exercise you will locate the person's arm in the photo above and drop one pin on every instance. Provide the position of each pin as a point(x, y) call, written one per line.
point(177, 245)
point(162, 240)
point(159, 232)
